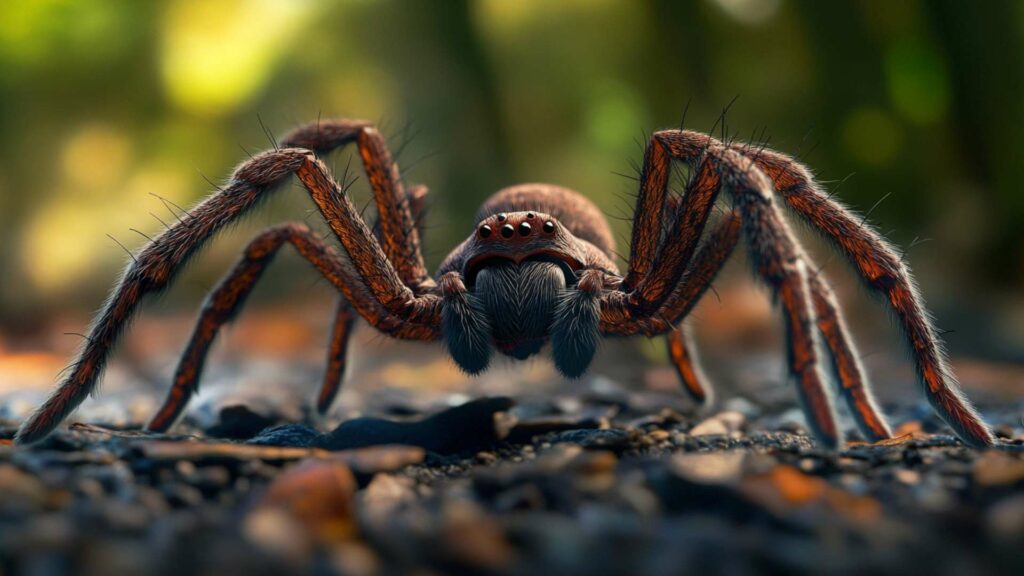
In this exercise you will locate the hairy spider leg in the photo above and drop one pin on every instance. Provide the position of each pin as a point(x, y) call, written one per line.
point(682, 352)
point(376, 290)
point(227, 299)
point(850, 380)
point(399, 226)
point(885, 273)
point(777, 257)
point(223, 304)
point(710, 259)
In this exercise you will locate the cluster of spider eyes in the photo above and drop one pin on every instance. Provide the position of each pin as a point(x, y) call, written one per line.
point(507, 231)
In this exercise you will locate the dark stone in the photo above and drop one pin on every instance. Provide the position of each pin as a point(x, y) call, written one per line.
point(466, 428)
point(611, 439)
point(297, 435)
point(239, 422)
point(527, 430)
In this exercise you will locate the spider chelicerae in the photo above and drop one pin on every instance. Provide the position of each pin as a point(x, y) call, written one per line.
point(539, 266)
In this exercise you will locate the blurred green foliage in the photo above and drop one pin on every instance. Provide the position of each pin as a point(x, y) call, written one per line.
point(104, 103)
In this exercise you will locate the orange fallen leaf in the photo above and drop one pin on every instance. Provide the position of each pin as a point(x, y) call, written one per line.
point(784, 488)
point(903, 438)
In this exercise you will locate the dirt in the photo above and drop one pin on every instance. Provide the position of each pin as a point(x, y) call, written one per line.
point(598, 480)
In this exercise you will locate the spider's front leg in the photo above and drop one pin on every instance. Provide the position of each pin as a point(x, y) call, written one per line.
point(715, 250)
point(224, 303)
point(399, 212)
point(399, 227)
point(885, 273)
point(392, 307)
point(656, 269)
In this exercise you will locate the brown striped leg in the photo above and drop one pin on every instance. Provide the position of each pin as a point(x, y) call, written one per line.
point(780, 261)
point(851, 380)
point(398, 211)
point(681, 350)
point(709, 260)
point(884, 272)
point(777, 256)
point(367, 279)
point(226, 301)
point(713, 253)
point(399, 227)
point(337, 353)
point(654, 271)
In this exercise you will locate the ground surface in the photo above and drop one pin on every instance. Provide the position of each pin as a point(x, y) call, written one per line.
point(596, 478)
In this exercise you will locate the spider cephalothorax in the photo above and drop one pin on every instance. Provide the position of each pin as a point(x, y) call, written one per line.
point(519, 272)
point(539, 267)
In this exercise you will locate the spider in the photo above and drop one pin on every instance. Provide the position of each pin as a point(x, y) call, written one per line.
point(539, 266)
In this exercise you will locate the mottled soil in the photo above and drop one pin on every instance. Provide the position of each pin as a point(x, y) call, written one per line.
point(596, 479)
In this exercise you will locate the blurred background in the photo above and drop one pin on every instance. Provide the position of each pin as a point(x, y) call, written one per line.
point(917, 108)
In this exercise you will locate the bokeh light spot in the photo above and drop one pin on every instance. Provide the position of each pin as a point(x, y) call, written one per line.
point(917, 80)
point(749, 12)
point(217, 54)
point(66, 241)
point(94, 156)
point(614, 115)
point(872, 137)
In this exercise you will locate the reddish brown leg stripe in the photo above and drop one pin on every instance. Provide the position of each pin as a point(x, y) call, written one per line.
point(702, 271)
point(681, 351)
point(337, 352)
point(686, 228)
point(803, 358)
point(779, 261)
point(386, 302)
point(399, 233)
point(418, 205)
point(885, 273)
point(852, 382)
point(647, 219)
point(355, 236)
point(224, 303)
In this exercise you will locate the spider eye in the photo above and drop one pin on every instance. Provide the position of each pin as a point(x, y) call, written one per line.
point(530, 215)
point(549, 226)
point(502, 217)
point(507, 230)
point(525, 228)
point(485, 231)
